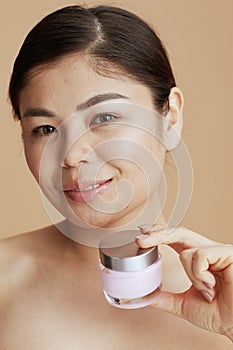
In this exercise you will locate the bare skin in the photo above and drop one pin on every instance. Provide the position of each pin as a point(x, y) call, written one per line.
point(51, 294)
point(51, 298)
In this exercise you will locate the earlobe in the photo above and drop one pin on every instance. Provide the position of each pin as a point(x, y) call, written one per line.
point(173, 121)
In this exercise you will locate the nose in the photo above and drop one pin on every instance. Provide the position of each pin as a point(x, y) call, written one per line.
point(79, 153)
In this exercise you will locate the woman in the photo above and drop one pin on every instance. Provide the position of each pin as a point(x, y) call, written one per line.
point(77, 70)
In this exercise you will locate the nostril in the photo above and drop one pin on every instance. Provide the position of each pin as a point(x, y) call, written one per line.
point(67, 163)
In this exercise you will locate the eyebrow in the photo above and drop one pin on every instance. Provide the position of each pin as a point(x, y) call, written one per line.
point(41, 112)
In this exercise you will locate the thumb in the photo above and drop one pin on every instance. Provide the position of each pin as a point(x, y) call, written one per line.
point(170, 302)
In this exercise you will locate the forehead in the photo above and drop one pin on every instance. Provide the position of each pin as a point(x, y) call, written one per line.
point(68, 82)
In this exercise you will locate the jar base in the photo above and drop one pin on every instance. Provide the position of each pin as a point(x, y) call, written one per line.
point(133, 303)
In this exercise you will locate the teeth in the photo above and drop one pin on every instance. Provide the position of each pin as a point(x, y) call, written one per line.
point(90, 187)
point(87, 188)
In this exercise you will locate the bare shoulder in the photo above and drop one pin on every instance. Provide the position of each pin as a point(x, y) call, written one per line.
point(28, 244)
point(21, 245)
point(19, 257)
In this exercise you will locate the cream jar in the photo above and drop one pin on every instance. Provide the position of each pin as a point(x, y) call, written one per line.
point(130, 275)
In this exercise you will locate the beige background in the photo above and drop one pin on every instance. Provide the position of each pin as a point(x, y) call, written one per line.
point(198, 36)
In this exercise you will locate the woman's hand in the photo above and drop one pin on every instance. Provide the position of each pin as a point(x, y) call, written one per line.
point(209, 265)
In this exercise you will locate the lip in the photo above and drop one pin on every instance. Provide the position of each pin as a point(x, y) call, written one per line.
point(85, 191)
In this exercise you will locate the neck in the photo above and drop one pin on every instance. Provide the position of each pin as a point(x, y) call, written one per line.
point(84, 242)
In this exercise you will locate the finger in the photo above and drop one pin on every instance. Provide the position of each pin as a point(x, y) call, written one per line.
point(149, 228)
point(186, 305)
point(202, 264)
point(180, 237)
point(198, 272)
point(169, 302)
point(214, 259)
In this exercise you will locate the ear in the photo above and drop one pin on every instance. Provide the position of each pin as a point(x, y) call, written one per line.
point(173, 121)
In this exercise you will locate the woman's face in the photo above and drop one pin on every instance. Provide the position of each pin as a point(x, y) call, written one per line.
point(106, 152)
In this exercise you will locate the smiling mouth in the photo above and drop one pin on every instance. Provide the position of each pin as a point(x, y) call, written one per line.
point(88, 188)
point(86, 192)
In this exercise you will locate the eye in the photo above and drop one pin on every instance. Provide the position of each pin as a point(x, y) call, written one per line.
point(43, 130)
point(103, 118)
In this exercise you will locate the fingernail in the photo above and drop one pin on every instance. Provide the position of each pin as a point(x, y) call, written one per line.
point(142, 236)
point(144, 227)
point(207, 296)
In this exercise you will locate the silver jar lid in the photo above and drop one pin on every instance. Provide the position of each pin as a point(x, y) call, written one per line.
point(119, 252)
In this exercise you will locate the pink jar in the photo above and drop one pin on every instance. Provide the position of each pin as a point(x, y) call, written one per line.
point(130, 275)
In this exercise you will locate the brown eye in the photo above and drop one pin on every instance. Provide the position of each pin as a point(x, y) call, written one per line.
point(44, 130)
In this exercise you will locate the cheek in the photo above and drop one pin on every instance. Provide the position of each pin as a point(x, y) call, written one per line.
point(33, 158)
point(144, 168)
point(157, 149)
point(134, 153)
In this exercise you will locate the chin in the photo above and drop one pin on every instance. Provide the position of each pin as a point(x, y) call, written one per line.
point(100, 220)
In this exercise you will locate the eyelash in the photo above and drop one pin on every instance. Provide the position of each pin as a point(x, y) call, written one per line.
point(41, 130)
point(101, 115)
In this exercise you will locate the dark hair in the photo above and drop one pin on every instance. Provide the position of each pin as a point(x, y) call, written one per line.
point(114, 40)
